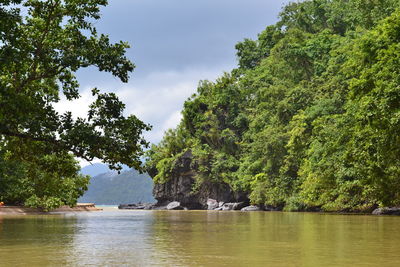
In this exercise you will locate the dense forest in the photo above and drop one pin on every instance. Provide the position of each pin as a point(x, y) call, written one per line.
point(309, 119)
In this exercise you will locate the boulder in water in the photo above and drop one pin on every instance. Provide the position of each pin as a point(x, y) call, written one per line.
point(233, 206)
point(387, 211)
point(212, 204)
point(138, 206)
point(175, 205)
point(251, 208)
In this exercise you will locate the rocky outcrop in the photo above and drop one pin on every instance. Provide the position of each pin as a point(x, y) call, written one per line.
point(387, 211)
point(180, 188)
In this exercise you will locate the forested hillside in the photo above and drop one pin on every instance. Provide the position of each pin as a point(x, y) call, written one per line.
point(309, 119)
point(111, 188)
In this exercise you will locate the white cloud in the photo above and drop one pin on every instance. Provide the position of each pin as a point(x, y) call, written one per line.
point(78, 107)
point(171, 122)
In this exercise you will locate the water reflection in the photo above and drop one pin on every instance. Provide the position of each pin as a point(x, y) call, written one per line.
point(276, 239)
point(29, 240)
point(186, 238)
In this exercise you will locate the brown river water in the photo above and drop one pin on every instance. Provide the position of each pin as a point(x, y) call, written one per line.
point(199, 238)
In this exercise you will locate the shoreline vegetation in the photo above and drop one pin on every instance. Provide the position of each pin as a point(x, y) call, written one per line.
point(308, 120)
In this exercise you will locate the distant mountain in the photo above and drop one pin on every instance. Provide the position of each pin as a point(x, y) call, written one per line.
point(98, 168)
point(111, 188)
point(95, 169)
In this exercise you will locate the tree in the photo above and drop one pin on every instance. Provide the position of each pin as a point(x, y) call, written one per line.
point(39, 180)
point(42, 45)
point(39, 54)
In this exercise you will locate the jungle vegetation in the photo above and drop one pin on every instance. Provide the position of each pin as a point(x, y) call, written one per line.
point(309, 119)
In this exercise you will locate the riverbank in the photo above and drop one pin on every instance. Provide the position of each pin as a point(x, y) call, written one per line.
point(19, 210)
point(214, 205)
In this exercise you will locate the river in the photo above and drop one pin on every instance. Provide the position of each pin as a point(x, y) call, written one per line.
point(199, 238)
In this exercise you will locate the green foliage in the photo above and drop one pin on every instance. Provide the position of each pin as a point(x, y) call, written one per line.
point(44, 181)
point(310, 119)
point(295, 203)
point(162, 157)
point(251, 52)
point(42, 45)
point(39, 54)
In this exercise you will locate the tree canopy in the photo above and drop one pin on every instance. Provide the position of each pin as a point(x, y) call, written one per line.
point(309, 119)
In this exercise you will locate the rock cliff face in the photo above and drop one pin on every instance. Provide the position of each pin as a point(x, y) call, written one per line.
point(180, 188)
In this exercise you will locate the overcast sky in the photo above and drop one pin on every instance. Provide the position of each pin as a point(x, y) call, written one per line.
point(174, 44)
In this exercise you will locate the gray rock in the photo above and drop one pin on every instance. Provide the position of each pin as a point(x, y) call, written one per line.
point(228, 206)
point(387, 211)
point(219, 208)
point(233, 206)
point(159, 208)
point(251, 208)
point(220, 204)
point(126, 206)
point(175, 205)
point(212, 204)
point(147, 206)
point(139, 206)
point(239, 205)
